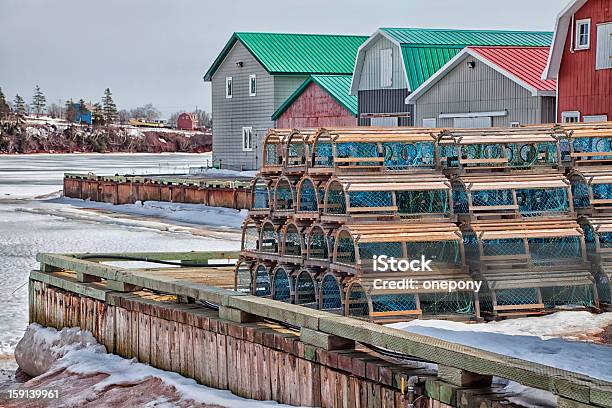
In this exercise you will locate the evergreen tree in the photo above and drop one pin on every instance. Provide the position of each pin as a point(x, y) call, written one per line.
point(70, 111)
point(20, 109)
point(5, 109)
point(109, 107)
point(39, 101)
point(97, 114)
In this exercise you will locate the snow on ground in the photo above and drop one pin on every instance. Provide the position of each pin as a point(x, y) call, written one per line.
point(549, 340)
point(209, 172)
point(73, 358)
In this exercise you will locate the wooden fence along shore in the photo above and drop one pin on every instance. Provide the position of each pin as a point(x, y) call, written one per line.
point(265, 349)
point(524, 210)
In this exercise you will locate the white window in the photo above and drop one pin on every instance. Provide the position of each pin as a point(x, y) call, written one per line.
point(229, 87)
point(570, 117)
point(515, 124)
point(247, 139)
point(603, 59)
point(386, 67)
point(429, 122)
point(252, 85)
point(594, 118)
point(583, 38)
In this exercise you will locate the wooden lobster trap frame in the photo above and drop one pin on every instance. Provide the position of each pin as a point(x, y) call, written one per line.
point(273, 151)
point(310, 193)
point(297, 148)
point(598, 238)
point(529, 266)
point(319, 245)
point(421, 195)
point(283, 204)
point(262, 196)
point(588, 145)
point(292, 245)
point(512, 196)
point(592, 190)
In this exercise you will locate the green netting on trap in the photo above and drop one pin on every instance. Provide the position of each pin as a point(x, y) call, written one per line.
point(269, 239)
point(357, 150)
point(593, 145)
point(318, 244)
point(345, 253)
point(308, 197)
point(401, 156)
point(250, 238)
point(460, 200)
point(499, 247)
point(323, 156)
point(371, 249)
point(357, 302)
point(422, 202)
point(284, 195)
point(305, 293)
point(516, 296)
point(262, 282)
point(548, 251)
point(580, 296)
point(370, 198)
point(331, 297)
point(336, 200)
point(528, 155)
point(282, 286)
point(293, 243)
point(296, 153)
point(395, 302)
point(273, 154)
point(589, 237)
point(602, 191)
point(261, 196)
point(440, 252)
point(482, 151)
point(492, 197)
point(447, 303)
point(580, 193)
point(537, 202)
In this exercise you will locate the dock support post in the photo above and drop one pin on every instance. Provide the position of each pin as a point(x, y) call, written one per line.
point(463, 378)
point(325, 341)
point(237, 315)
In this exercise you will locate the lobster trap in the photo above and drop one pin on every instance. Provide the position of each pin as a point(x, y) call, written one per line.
point(273, 151)
point(298, 146)
point(310, 193)
point(527, 266)
point(588, 145)
point(262, 194)
point(511, 196)
point(592, 190)
point(598, 239)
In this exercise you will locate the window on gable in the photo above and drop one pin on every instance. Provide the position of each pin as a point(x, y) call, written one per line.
point(252, 85)
point(386, 67)
point(570, 117)
point(247, 139)
point(229, 87)
point(583, 40)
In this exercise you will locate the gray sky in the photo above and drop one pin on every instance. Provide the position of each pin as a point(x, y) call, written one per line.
point(156, 51)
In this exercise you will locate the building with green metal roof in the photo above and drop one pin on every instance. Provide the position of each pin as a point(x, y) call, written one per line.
point(253, 76)
point(395, 61)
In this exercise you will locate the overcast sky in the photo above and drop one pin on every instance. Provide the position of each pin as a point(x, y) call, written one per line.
point(156, 51)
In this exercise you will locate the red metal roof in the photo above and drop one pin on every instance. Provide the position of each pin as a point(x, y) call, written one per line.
point(524, 63)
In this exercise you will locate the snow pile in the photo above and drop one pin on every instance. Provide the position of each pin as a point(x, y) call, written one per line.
point(546, 340)
point(210, 172)
point(83, 373)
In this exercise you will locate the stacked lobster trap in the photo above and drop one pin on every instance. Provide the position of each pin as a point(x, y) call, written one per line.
point(495, 205)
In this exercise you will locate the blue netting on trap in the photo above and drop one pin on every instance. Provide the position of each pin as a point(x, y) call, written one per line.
point(293, 243)
point(546, 251)
point(370, 198)
point(282, 286)
point(262, 282)
point(261, 196)
point(305, 293)
point(564, 146)
point(346, 249)
point(492, 197)
point(602, 191)
point(422, 202)
point(470, 245)
point(250, 238)
point(336, 200)
point(357, 302)
point(308, 197)
point(440, 252)
point(536, 202)
point(447, 303)
point(323, 156)
point(273, 154)
point(589, 237)
point(577, 296)
point(395, 302)
point(605, 239)
point(400, 156)
point(604, 286)
point(357, 150)
point(371, 249)
point(499, 247)
point(331, 297)
point(580, 194)
point(460, 200)
point(269, 239)
point(448, 156)
point(284, 195)
point(516, 296)
point(243, 277)
point(318, 244)
point(482, 151)
point(593, 145)
point(296, 153)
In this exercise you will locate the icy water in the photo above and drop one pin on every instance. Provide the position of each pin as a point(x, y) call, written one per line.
point(23, 234)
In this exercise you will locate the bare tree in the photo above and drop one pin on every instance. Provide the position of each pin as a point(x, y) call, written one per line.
point(147, 112)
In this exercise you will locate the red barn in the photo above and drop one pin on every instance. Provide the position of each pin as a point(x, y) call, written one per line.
point(321, 101)
point(186, 121)
point(581, 61)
